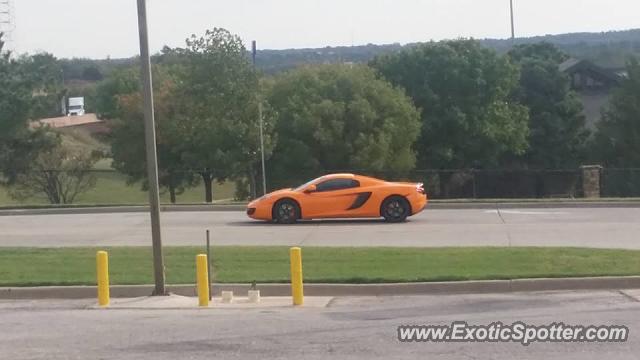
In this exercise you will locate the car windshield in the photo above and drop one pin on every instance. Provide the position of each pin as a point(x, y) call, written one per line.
point(304, 186)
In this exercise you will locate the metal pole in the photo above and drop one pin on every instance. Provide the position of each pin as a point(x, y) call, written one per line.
point(513, 29)
point(209, 264)
point(152, 159)
point(264, 171)
point(260, 117)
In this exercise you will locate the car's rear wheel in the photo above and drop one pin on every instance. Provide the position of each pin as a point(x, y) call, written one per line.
point(286, 212)
point(395, 209)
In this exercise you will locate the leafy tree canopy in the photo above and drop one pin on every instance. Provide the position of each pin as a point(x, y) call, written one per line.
point(543, 51)
point(19, 145)
point(120, 82)
point(557, 125)
point(340, 117)
point(617, 141)
point(127, 137)
point(218, 99)
point(463, 90)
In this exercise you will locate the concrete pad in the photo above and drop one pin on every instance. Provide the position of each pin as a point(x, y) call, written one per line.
point(350, 328)
point(178, 302)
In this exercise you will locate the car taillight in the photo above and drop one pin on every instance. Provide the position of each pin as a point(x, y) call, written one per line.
point(420, 188)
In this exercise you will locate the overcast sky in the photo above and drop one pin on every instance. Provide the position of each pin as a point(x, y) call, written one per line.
point(100, 28)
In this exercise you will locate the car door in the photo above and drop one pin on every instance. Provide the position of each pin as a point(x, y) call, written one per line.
point(332, 198)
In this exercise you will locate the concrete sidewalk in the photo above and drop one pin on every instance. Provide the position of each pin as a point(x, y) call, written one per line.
point(330, 290)
point(178, 302)
point(348, 328)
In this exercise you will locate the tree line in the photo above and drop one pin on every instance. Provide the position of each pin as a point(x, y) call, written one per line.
point(607, 49)
point(438, 105)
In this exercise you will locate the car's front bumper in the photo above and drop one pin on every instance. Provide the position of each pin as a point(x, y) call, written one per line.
point(259, 210)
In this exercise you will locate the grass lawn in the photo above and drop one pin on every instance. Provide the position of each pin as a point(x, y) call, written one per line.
point(76, 266)
point(111, 188)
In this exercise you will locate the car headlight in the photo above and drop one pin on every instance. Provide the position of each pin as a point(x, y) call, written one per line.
point(264, 197)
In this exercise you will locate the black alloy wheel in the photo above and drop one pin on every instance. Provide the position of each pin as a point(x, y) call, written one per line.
point(286, 212)
point(395, 209)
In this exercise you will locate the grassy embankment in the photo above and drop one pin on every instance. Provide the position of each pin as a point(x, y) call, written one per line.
point(132, 265)
point(111, 187)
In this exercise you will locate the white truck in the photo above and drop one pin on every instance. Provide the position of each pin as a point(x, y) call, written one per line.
point(76, 106)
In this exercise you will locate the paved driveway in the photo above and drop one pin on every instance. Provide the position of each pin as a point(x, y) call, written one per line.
point(349, 328)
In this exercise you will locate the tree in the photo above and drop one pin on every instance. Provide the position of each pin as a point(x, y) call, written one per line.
point(128, 147)
point(15, 96)
point(340, 117)
point(463, 90)
point(19, 145)
point(541, 51)
point(218, 94)
point(44, 74)
point(60, 174)
point(121, 82)
point(92, 73)
point(617, 140)
point(557, 125)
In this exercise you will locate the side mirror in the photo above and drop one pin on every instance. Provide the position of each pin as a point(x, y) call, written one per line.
point(310, 189)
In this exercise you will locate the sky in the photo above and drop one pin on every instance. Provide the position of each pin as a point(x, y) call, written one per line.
point(108, 28)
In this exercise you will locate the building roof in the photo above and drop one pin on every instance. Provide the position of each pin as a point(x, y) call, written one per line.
point(66, 121)
point(574, 65)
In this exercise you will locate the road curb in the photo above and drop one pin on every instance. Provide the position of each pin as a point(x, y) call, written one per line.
point(432, 288)
point(240, 207)
point(534, 205)
point(120, 209)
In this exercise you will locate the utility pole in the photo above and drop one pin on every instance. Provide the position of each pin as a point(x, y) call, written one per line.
point(254, 50)
point(513, 29)
point(152, 157)
point(6, 24)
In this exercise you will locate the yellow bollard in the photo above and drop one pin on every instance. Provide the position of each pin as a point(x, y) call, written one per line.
point(295, 254)
point(102, 271)
point(203, 280)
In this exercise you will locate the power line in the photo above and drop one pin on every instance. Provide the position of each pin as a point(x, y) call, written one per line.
point(7, 22)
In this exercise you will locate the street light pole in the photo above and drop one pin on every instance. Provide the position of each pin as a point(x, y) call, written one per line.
point(152, 158)
point(513, 29)
point(260, 117)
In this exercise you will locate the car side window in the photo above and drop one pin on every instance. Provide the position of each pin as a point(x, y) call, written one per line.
point(337, 184)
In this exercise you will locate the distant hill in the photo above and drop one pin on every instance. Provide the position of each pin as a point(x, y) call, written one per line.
point(608, 49)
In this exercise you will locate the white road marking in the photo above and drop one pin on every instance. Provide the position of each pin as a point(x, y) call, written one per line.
point(518, 212)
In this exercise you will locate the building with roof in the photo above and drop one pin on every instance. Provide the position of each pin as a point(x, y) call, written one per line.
point(594, 85)
point(89, 122)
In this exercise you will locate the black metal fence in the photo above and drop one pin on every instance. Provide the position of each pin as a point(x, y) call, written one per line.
point(110, 187)
point(493, 184)
point(519, 184)
point(620, 182)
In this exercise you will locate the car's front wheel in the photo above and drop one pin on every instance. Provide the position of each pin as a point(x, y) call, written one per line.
point(395, 209)
point(286, 212)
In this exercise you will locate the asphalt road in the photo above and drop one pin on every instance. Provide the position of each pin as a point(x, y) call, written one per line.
point(348, 328)
point(582, 227)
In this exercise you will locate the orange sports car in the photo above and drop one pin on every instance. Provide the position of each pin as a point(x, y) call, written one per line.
point(341, 196)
